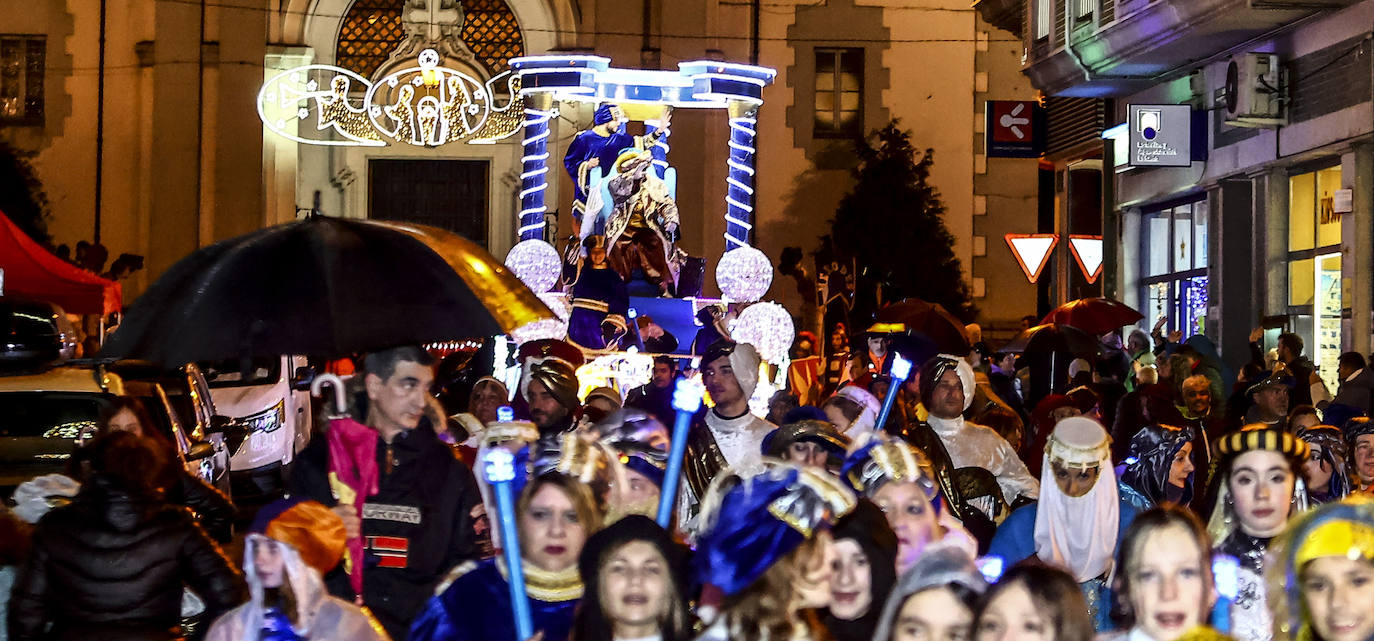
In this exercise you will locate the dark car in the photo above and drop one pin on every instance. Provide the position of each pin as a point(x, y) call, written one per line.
point(44, 415)
point(34, 333)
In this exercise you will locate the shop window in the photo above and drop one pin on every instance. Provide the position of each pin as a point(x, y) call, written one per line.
point(21, 79)
point(1315, 298)
point(1174, 266)
point(839, 93)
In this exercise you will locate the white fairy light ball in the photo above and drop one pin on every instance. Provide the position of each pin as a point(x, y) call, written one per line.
point(536, 263)
point(744, 274)
point(555, 328)
point(766, 326)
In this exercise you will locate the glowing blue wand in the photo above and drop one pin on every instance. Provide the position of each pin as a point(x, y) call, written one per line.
point(901, 367)
point(686, 400)
point(500, 470)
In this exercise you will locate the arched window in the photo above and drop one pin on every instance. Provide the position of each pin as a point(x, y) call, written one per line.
point(372, 29)
point(491, 31)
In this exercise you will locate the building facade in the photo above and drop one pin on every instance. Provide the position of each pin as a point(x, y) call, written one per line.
point(142, 120)
point(1267, 222)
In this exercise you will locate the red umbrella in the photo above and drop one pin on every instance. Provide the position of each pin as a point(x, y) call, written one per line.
point(1094, 315)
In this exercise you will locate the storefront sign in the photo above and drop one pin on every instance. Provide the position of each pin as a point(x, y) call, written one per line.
point(1015, 129)
point(1160, 135)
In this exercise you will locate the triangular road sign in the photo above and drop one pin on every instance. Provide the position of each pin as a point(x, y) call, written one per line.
point(1087, 250)
point(1032, 251)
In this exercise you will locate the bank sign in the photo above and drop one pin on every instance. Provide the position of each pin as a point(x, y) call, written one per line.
point(1161, 135)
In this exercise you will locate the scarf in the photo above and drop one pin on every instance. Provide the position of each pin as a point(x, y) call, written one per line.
point(1078, 533)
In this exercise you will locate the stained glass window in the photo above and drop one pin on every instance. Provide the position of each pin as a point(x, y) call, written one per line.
point(372, 29)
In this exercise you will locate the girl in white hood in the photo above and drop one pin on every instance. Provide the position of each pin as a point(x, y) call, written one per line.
point(288, 545)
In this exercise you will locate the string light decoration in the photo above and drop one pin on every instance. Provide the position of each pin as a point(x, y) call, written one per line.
point(534, 171)
point(698, 84)
point(744, 274)
point(536, 263)
point(766, 326)
point(617, 370)
point(556, 328)
point(426, 105)
point(739, 196)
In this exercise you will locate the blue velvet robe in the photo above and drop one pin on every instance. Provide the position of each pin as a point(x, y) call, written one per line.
point(603, 285)
point(587, 145)
point(476, 607)
point(1015, 541)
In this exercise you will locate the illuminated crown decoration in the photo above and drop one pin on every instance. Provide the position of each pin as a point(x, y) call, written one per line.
point(426, 105)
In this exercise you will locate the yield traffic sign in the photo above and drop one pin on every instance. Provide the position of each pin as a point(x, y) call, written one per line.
point(1087, 251)
point(1032, 252)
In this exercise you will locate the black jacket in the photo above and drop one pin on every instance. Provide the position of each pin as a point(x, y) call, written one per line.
point(213, 509)
point(426, 497)
point(112, 566)
point(657, 402)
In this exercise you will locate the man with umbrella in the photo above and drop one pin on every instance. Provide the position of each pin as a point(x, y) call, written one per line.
point(548, 382)
point(420, 522)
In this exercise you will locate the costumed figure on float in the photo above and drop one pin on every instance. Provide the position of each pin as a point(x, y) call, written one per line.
point(600, 302)
point(636, 212)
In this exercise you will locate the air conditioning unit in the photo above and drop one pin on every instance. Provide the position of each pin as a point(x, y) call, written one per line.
point(1255, 92)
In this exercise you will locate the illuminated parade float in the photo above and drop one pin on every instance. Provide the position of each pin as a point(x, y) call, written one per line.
point(621, 268)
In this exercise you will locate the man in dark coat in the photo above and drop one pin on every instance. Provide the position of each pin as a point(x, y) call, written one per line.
point(656, 396)
point(422, 521)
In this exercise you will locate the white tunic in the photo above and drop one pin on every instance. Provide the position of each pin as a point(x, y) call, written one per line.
point(741, 438)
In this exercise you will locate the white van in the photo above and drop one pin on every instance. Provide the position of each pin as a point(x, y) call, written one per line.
point(270, 402)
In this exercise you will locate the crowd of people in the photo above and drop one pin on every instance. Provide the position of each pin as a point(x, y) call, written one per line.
point(1159, 498)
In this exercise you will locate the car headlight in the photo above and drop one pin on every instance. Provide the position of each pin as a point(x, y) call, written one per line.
point(268, 420)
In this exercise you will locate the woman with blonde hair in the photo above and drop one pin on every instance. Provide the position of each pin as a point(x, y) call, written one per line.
point(555, 515)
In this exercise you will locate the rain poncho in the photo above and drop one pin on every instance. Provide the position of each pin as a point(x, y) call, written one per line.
point(319, 617)
point(971, 445)
point(1333, 449)
point(1148, 465)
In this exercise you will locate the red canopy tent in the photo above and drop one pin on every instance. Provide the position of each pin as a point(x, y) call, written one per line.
point(30, 271)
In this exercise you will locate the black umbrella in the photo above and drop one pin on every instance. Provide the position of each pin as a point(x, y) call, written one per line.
point(929, 326)
point(325, 287)
point(1053, 337)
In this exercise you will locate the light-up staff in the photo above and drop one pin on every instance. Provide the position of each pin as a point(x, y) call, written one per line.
point(686, 400)
point(500, 471)
point(901, 367)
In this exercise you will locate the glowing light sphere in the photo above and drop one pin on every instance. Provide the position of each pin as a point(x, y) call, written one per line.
point(744, 274)
point(766, 326)
point(536, 263)
point(556, 328)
